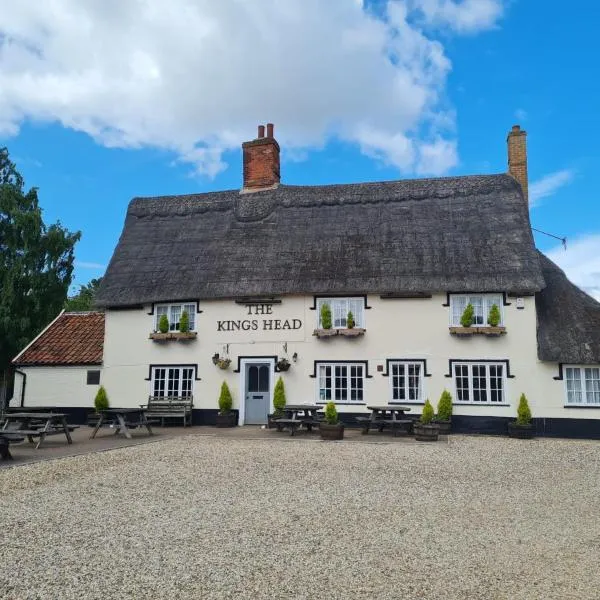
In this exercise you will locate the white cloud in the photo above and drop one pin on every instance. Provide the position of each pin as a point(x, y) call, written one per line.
point(549, 185)
point(89, 265)
point(581, 262)
point(196, 76)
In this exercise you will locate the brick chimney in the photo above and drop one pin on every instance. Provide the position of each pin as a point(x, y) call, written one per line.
point(261, 161)
point(517, 157)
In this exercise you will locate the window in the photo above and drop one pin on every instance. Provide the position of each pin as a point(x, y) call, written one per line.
point(172, 382)
point(479, 383)
point(341, 382)
point(583, 385)
point(481, 307)
point(93, 377)
point(339, 311)
point(173, 312)
point(407, 381)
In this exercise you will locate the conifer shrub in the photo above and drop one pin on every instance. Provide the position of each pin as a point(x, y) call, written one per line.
point(184, 322)
point(350, 320)
point(225, 400)
point(279, 398)
point(444, 408)
point(494, 316)
point(101, 400)
point(468, 316)
point(523, 411)
point(428, 414)
point(331, 413)
point(325, 316)
point(163, 324)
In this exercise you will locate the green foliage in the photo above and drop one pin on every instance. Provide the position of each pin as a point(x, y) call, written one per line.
point(184, 322)
point(427, 415)
point(36, 264)
point(444, 408)
point(225, 399)
point(101, 399)
point(163, 324)
point(279, 398)
point(468, 316)
point(494, 316)
point(523, 411)
point(83, 300)
point(350, 320)
point(331, 413)
point(325, 316)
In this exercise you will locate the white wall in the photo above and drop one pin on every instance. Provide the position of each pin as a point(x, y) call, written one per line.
point(56, 386)
point(411, 328)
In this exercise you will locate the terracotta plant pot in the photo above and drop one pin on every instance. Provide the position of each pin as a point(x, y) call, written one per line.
point(521, 432)
point(426, 433)
point(331, 432)
point(227, 420)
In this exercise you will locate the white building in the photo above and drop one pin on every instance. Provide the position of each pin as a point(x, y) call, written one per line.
point(253, 266)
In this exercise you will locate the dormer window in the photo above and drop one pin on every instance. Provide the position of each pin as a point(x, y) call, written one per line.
point(340, 307)
point(482, 303)
point(174, 312)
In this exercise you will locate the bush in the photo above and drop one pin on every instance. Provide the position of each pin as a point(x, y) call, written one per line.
point(331, 414)
point(444, 408)
point(225, 400)
point(494, 316)
point(427, 415)
point(523, 412)
point(184, 322)
point(101, 399)
point(279, 398)
point(325, 316)
point(468, 316)
point(350, 320)
point(163, 324)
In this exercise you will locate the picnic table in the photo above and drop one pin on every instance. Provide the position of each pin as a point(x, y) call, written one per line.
point(37, 424)
point(391, 416)
point(298, 415)
point(123, 419)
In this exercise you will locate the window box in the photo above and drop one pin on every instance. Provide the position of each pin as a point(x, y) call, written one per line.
point(354, 332)
point(492, 331)
point(173, 335)
point(469, 331)
point(325, 333)
point(463, 331)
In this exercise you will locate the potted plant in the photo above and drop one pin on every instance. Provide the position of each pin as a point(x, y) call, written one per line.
point(226, 417)
point(331, 428)
point(184, 322)
point(350, 320)
point(100, 404)
point(444, 412)
point(163, 324)
point(493, 322)
point(283, 364)
point(223, 363)
point(425, 429)
point(466, 321)
point(278, 403)
point(522, 428)
point(325, 329)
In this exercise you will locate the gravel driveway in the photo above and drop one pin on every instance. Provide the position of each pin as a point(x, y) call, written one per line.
point(207, 517)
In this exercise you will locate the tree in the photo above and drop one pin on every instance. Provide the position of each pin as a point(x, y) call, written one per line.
point(36, 265)
point(83, 300)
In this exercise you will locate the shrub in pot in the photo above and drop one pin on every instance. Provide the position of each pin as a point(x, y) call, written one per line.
point(325, 316)
point(494, 316)
point(226, 417)
point(425, 429)
point(468, 317)
point(522, 428)
point(163, 324)
point(100, 404)
point(350, 320)
point(444, 412)
point(278, 402)
point(184, 322)
point(331, 428)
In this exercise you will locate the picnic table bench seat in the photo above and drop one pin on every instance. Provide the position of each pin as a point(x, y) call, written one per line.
point(161, 408)
point(5, 440)
point(396, 425)
point(294, 424)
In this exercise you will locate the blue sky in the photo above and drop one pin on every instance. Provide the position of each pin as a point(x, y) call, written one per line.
point(101, 102)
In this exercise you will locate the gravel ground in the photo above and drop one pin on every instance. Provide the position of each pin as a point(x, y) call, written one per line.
point(207, 517)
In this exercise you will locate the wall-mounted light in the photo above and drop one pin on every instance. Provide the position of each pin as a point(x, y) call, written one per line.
point(295, 357)
point(215, 358)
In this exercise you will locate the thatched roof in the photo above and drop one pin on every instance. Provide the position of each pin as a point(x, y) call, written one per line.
point(446, 234)
point(568, 320)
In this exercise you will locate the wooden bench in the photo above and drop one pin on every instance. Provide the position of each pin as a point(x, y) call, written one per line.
point(161, 408)
point(396, 425)
point(5, 440)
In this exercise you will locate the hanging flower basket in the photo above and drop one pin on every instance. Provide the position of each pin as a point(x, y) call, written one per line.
point(283, 364)
point(223, 363)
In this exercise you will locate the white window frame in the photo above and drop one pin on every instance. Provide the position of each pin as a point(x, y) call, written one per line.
point(406, 365)
point(174, 312)
point(182, 370)
point(339, 311)
point(349, 388)
point(588, 395)
point(471, 387)
point(458, 303)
